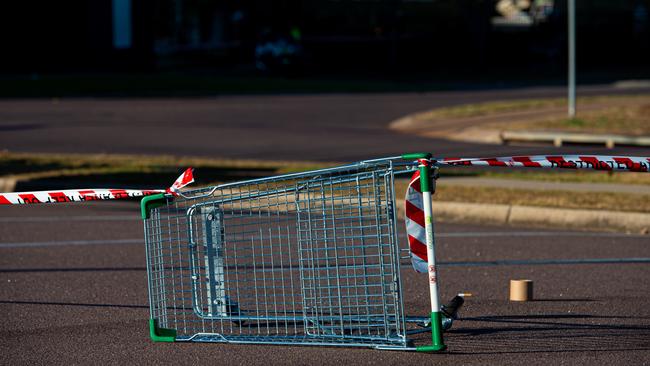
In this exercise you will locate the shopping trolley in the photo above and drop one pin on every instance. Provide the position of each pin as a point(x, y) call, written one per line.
point(300, 259)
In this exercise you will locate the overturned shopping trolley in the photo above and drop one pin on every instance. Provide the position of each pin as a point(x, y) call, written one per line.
point(309, 258)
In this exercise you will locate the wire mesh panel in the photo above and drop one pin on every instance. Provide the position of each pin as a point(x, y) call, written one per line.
point(308, 258)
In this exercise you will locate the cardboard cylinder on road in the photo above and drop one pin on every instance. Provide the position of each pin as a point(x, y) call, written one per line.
point(521, 290)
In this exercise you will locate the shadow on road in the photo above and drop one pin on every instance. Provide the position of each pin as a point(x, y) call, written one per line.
point(105, 269)
point(554, 333)
point(73, 304)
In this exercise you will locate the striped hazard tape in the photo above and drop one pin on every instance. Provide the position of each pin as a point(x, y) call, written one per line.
point(82, 195)
point(594, 162)
point(414, 218)
point(71, 195)
point(415, 224)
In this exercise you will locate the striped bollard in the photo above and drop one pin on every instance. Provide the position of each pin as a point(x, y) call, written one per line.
point(424, 165)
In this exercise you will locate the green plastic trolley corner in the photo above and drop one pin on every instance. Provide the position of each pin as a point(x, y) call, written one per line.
point(150, 202)
point(415, 156)
point(437, 342)
point(161, 334)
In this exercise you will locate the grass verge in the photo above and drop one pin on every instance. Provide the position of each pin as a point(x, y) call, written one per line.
point(490, 108)
point(625, 115)
point(560, 176)
point(559, 199)
point(57, 171)
point(579, 176)
point(30, 166)
point(631, 120)
point(527, 197)
point(84, 170)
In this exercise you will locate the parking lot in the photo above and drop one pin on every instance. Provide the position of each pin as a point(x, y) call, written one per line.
point(74, 291)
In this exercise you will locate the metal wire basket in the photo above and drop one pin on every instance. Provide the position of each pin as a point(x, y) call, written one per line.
point(309, 258)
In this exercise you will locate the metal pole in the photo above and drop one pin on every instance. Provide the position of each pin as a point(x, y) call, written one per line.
point(427, 188)
point(437, 342)
point(572, 58)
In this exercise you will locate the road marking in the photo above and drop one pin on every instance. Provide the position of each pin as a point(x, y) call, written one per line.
point(537, 233)
point(16, 302)
point(70, 218)
point(71, 242)
point(443, 235)
point(546, 262)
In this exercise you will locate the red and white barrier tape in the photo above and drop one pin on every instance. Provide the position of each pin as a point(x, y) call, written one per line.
point(82, 195)
point(184, 179)
point(593, 162)
point(415, 226)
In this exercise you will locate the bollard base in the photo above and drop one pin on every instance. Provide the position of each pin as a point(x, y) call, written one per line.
point(431, 348)
point(437, 343)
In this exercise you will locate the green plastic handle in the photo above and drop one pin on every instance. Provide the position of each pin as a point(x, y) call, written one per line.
point(415, 156)
point(150, 202)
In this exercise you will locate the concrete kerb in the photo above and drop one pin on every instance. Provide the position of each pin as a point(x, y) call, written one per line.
point(581, 219)
point(499, 214)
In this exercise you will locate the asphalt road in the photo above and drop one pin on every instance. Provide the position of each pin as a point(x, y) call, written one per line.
point(334, 127)
point(73, 291)
point(73, 279)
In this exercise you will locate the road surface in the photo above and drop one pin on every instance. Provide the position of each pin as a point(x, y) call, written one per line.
point(73, 291)
point(73, 280)
point(336, 127)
